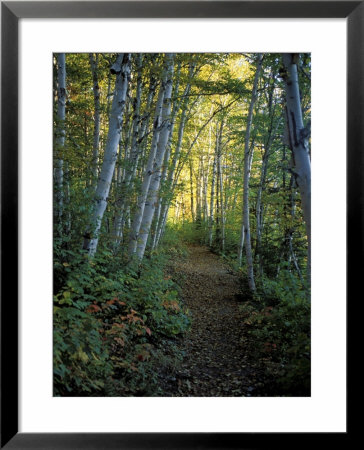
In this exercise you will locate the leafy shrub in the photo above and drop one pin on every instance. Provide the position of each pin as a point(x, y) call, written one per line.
point(108, 322)
point(172, 243)
point(190, 232)
point(280, 328)
point(81, 360)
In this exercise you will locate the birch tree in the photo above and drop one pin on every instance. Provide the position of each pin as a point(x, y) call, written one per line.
point(272, 130)
point(134, 154)
point(171, 173)
point(212, 193)
point(60, 133)
point(176, 105)
point(190, 175)
point(298, 140)
point(138, 216)
point(121, 68)
point(247, 164)
point(220, 231)
point(153, 191)
point(94, 60)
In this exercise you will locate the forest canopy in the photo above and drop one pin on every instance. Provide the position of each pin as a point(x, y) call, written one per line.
point(154, 152)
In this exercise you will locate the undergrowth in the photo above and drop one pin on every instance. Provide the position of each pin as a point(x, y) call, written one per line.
point(111, 323)
point(278, 329)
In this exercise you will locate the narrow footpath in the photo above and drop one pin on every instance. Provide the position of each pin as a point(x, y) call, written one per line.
point(215, 360)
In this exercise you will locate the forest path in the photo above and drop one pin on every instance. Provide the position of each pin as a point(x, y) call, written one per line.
point(215, 360)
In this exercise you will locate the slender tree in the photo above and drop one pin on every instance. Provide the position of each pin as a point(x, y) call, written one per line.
point(247, 165)
point(132, 160)
point(157, 124)
point(298, 140)
point(122, 70)
point(220, 231)
point(153, 191)
point(170, 181)
point(94, 62)
point(60, 134)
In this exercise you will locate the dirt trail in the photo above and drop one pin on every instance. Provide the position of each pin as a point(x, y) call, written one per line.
point(215, 361)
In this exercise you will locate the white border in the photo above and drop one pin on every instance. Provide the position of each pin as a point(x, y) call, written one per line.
point(325, 411)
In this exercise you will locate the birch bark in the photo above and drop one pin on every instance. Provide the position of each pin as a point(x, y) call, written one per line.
point(60, 132)
point(175, 109)
point(222, 208)
point(204, 189)
point(133, 157)
point(138, 216)
point(122, 70)
point(171, 173)
point(192, 206)
point(219, 189)
point(247, 163)
point(298, 143)
point(213, 181)
point(154, 186)
point(96, 133)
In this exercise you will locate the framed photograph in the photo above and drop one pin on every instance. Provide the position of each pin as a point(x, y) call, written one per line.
point(194, 148)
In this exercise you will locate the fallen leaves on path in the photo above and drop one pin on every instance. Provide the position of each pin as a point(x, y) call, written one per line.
point(216, 362)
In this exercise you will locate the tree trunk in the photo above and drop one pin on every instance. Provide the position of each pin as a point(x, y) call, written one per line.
point(247, 163)
point(259, 206)
point(171, 174)
point(192, 206)
point(132, 159)
point(157, 125)
point(222, 207)
point(60, 134)
point(96, 134)
point(213, 181)
point(122, 70)
point(199, 192)
point(298, 143)
point(219, 189)
point(152, 197)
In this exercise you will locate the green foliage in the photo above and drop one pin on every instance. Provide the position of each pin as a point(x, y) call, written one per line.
point(156, 294)
point(80, 357)
point(286, 288)
point(172, 243)
point(190, 232)
point(108, 322)
point(113, 319)
point(282, 332)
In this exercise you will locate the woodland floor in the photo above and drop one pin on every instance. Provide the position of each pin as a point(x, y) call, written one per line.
point(216, 362)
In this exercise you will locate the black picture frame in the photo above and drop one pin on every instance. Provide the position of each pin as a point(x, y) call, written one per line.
point(11, 12)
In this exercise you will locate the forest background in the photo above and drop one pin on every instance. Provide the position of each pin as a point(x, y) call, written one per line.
point(126, 154)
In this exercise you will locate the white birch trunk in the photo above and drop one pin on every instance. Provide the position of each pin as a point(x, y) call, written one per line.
point(295, 262)
point(122, 70)
point(176, 105)
point(96, 133)
point(175, 158)
point(222, 209)
point(298, 143)
point(157, 166)
point(213, 181)
point(133, 158)
point(138, 216)
point(60, 132)
point(199, 193)
point(219, 189)
point(206, 182)
point(247, 163)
